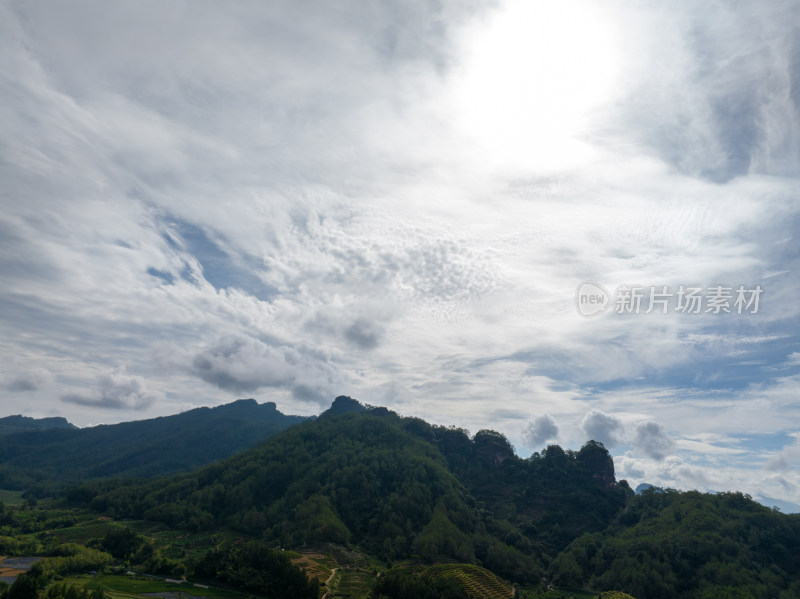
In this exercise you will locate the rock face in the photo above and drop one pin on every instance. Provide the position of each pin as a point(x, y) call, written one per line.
point(596, 459)
point(492, 448)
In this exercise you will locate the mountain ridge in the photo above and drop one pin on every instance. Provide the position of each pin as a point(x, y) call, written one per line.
point(17, 423)
point(139, 448)
point(394, 485)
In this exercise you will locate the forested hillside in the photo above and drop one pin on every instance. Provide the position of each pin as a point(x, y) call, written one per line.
point(670, 544)
point(20, 424)
point(397, 487)
point(442, 512)
point(40, 460)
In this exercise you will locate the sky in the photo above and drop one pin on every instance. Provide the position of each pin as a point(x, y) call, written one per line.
point(560, 220)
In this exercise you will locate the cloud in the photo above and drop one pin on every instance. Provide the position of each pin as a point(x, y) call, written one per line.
point(244, 364)
point(364, 334)
point(723, 102)
point(693, 471)
point(116, 390)
point(33, 380)
point(787, 459)
point(256, 209)
point(652, 440)
point(602, 427)
point(540, 430)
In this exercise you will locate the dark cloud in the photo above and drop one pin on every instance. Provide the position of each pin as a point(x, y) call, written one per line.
point(244, 364)
point(364, 334)
point(652, 440)
point(540, 430)
point(115, 390)
point(32, 380)
point(603, 427)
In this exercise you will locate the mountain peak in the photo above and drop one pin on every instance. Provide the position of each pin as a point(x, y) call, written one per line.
point(492, 447)
point(342, 405)
point(595, 457)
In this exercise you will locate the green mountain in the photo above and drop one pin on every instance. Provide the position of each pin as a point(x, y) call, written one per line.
point(361, 489)
point(19, 424)
point(671, 544)
point(395, 487)
point(142, 448)
point(404, 491)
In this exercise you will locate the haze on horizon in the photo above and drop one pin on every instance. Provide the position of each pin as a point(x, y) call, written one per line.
point(397, 202)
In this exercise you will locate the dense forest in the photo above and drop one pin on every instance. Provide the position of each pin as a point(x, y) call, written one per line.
point(670, 544)
point(360, 478)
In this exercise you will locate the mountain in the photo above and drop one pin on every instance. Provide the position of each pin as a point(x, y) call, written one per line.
point(787, 507)
point(18, 424)
point(344, 405)
point(409, 493)
point(143, 448)
point(667, 543)
point(397, 487)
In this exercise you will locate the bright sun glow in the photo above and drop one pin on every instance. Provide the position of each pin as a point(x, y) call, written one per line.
point(532, 76)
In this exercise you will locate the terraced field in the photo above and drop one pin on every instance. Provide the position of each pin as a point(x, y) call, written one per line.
point(354, 584)
point(314, 564)
point(84, 531)
point(478, 582)
point(11, 497)
point(576, 594)
point(123, 587)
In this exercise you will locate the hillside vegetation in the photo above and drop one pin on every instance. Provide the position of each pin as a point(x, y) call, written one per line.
point(354, 478)
point(41, 460)
point(363, 502)
point(670, 544)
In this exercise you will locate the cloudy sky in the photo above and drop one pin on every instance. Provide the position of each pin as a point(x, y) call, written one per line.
point(398, 201)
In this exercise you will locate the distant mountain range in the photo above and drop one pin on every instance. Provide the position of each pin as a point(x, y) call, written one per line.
point(50, 451)
point(20, 424)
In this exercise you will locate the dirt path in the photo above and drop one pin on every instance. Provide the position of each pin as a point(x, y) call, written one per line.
point(327, 582)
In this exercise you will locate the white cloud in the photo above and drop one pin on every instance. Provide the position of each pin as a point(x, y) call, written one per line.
point(325, 221)
point(787, 459)
point(717, 464)
point(606, 428)
point(540, 430)
point(652, 440)
point(793, 359)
